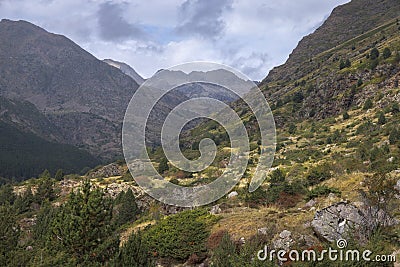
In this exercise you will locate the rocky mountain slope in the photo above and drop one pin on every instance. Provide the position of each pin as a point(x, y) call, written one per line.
point(82, 97)
point(125, 68)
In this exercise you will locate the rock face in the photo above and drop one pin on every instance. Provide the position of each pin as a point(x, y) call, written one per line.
point(106, 171)
point(336, 221)
point(283, 241)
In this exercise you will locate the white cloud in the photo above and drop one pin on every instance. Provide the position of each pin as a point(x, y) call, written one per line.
point(250, 35)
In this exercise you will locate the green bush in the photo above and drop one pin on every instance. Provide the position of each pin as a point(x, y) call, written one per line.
point(322, 190)
point(181, 235)
point(318, 174)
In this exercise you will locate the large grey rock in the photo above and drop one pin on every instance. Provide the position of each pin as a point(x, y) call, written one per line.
point(336, 221)
point(283, 241)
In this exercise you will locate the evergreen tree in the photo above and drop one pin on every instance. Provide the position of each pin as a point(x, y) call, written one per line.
point(59, 175)
point(163, 165)
point(394, 136)
point(386, 53)
point(292, 128)
point(277, 177)
point(41, 229)
point(45, 190)
point(7, 194)
point(134, 253)
point(395, 108)
point(45, 174)
point(374, 54)
point(381, 118)
point(9, 234)
point(225, 254)
point(368, 104)
point(23, 202)
point(346, 115)
point(128, 209)
point(82, 227)
point(348, 63)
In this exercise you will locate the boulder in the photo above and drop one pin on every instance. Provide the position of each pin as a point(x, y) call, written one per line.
point(283, 241)
point(310, 203)
point(336, 221)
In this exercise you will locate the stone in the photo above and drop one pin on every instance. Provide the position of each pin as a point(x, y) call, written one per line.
point(310, 203)
point(283, 241)
point(233, 194)
point(106, 171)
point(215, 210)
point(336, 221)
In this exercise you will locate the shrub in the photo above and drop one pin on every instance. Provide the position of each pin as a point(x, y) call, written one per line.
point(381, 118)
point(386, 53)
point(374, 54)
point(322, 190)
point(181, 235)
point(134, 252)
point(368, 104)
point(318, 174)
point(346, 116)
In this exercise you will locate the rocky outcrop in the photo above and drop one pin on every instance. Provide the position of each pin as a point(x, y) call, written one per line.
point(283, 241)
point(343, 220)
point(337, 221)
point(106, 171)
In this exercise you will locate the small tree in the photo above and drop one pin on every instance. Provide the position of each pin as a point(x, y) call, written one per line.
point(386, 53)
point(163, 167)
point(381, 118)
point(346, 116)
point(82, 227)
point(59, 175)
point(394, 136)
point(134, 253)
point(380, 201)
point(128, 209)
point(368, 104)
point(9, 234)
point(292, 128)
point(374, 54)
point(45, 190)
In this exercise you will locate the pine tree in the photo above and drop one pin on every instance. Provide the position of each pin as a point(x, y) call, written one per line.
point(134, 253)
point(9, 234)
point(24, 201)
point(128, 209)
point(7, 195)
point(368, 104)
point(163, 165)
point(82, 227)
point(45, 190)
point(381, 118)
point(59, 175)
point(346, 115)
point(374, 53)
point(386, 53)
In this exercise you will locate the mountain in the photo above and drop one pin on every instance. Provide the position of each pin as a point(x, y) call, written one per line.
point(82, 97)
point(345, 22)
point(125, 68)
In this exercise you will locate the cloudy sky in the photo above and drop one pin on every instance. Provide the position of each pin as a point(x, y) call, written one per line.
point(250, 35)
